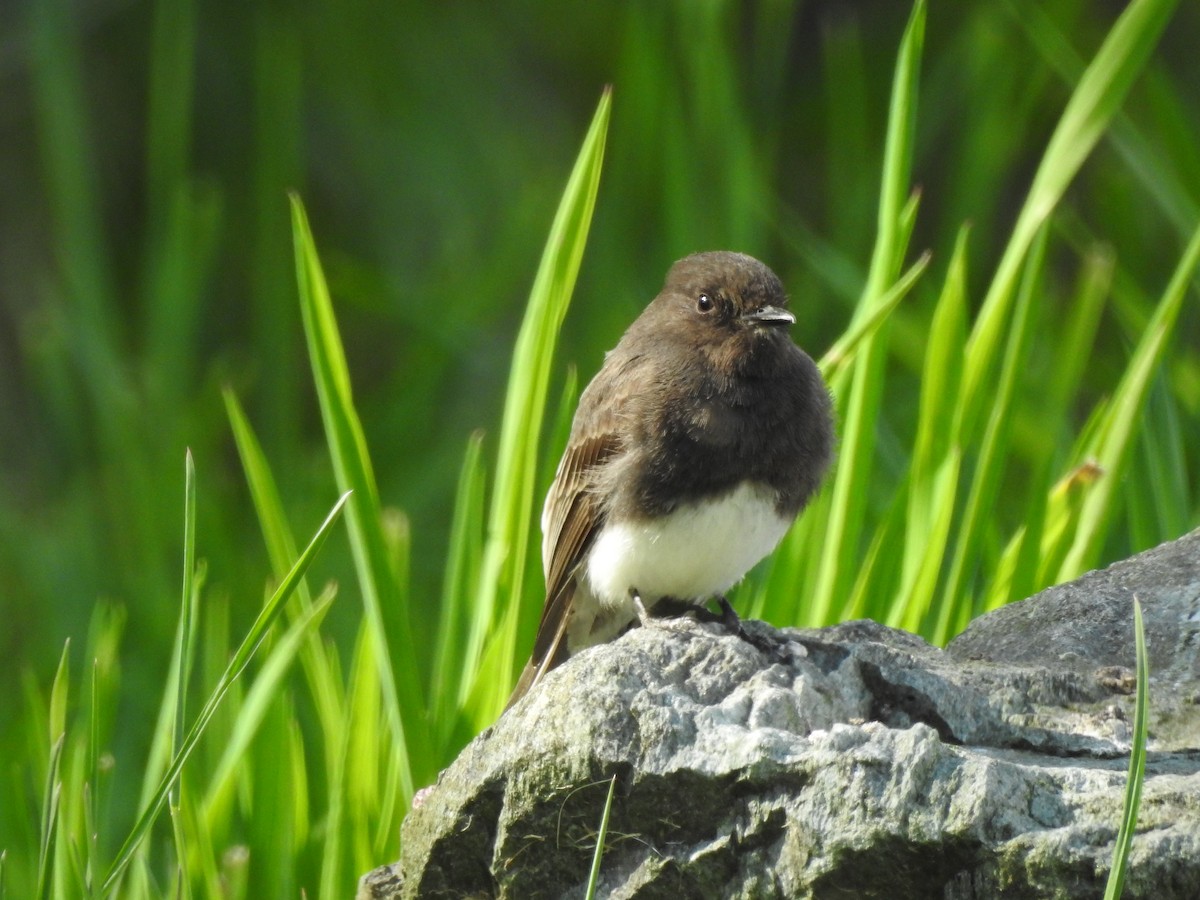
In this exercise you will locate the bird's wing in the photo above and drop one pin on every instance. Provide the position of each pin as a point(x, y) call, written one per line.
point(572, 517)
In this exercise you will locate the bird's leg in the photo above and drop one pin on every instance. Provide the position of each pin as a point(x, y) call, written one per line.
point(639, 607)
point(643, 614)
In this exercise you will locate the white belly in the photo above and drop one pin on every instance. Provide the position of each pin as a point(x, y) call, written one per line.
point(691, 554)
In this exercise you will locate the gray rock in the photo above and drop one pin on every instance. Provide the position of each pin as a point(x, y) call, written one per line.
point(858, 761)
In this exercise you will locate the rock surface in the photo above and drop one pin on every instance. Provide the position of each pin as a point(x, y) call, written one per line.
point(859, 762)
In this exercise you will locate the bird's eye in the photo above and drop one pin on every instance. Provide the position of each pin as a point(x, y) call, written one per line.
point(704, 303)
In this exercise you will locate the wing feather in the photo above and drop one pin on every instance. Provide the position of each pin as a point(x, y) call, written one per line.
point(574, 514)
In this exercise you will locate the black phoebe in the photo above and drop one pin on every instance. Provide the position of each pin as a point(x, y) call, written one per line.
point(695, 447)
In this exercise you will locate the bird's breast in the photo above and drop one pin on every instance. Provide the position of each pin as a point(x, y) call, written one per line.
point(693, 552)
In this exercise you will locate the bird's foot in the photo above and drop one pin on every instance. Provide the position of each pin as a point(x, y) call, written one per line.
point(674, 608)
point(733, 623)
point(667, 611)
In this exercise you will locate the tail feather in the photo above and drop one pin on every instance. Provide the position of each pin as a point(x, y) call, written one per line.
point(545, 657)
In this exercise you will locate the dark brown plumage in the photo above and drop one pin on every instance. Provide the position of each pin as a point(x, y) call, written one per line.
point(699, 441)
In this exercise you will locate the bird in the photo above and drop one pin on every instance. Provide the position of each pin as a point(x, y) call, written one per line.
point(693, 449)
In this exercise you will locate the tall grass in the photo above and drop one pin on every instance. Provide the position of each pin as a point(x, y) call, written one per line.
point(286, 759)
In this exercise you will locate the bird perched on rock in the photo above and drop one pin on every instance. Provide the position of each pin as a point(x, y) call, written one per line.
point(692, 451)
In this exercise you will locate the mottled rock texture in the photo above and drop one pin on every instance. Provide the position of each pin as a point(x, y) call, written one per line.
point(855, 761)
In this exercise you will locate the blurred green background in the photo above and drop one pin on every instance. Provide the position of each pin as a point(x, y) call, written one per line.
point(145, 249)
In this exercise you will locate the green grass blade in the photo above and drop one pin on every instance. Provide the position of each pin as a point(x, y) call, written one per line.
point(463, 559)
point(201, 869)
point(1142, 159)
point(955, 605)
point(350, 785)
point(237, 665)
point(1017, 575)
point(894, 218)
point(1158, 502)
point(1079, 337)
point(52, 789)
point(860, 403)
point(281, 545)
point(333, 851)
point(92, 806)
point(319, 665)
point(384, 600)
point(253, 710)
point(601, 836)
point(185, 646)
point(1113, 442)
point(365, 728)
point(1137, 764)
point(511, 517)
point(182, 882)
point(59, 691)
point(934, 469)
point(842, 352)
point(868, 599)
point(50, 819)
point(1093, 103)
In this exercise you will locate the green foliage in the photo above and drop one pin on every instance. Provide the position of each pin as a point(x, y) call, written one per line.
point(1014, 406)
point(601, 835)
point(1137, 763)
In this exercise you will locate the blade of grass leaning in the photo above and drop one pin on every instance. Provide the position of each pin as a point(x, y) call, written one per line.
point(52, 789)
point(50, 820)
point(872, 596)
point(185, 645)
point(182, 884)
point(320, 668)
point(955, 604)
point(1161, 508)
point(92, 786)
point(163, 736)
point(233, 671)
point(104, 636)
point(511, 518)
point(843, 350)
point(601, 836)
point(389, 814)
point(59, 692)
point(365, 728)
point(76, 877)
point(1113, 442)
point(1060, 522)
point(202, 865)
point(1092, 104)
point(1016, 576)
point(1137, 764)
point(281, 545)
point(936, 458)
point(861, 401)
point(383, 597)
point(1078, 339)
point(257, 703)
point(280, 789)
point(333, 848)
point(1143, 159)
point(463, 557)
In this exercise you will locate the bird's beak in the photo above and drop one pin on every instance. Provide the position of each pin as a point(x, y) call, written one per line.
point(769, 315)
